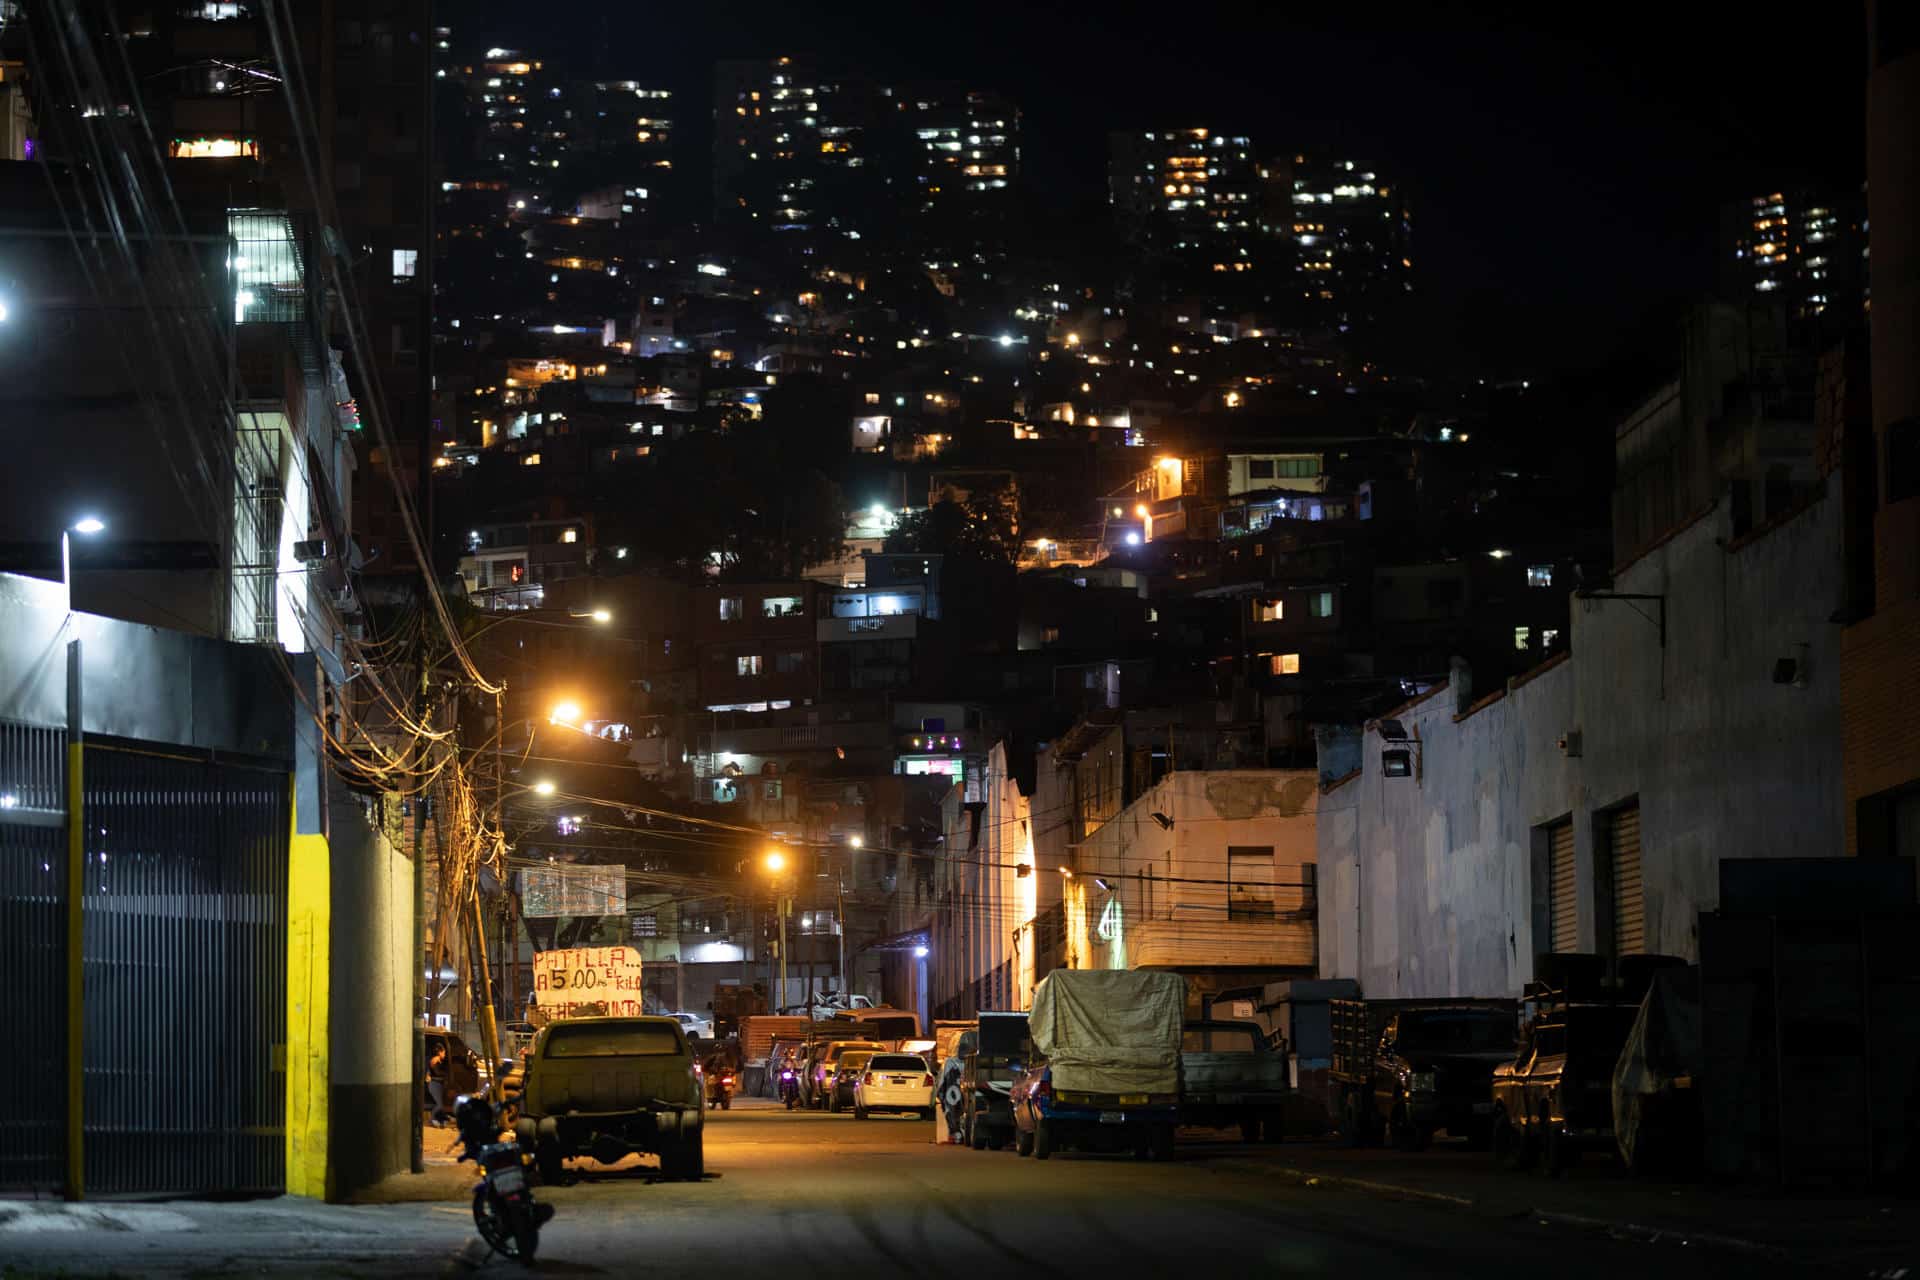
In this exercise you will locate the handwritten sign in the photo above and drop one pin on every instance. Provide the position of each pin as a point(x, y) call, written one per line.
point(584, 982)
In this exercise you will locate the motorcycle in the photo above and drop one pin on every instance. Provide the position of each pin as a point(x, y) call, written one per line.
point(720, 1089)
point(790, 1087)
point(504, 1210)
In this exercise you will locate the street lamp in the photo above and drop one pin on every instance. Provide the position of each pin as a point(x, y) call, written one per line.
point(543, 788)
point(856, 842)
point(776, 862)
point(566, 713)
point(597, 615)
point(86, 526)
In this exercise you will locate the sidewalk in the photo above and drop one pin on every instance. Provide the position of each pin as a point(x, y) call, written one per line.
point(1853, 1233)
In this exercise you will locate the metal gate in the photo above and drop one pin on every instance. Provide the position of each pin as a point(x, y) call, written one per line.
point(184, 947)
point(1628, 896)
point(33, 955)
point(1563, 887)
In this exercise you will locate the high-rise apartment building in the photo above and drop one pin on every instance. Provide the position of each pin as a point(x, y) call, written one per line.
point(1192, 199)
point(798, 149)
point(1801, 248)
point(1352, 243)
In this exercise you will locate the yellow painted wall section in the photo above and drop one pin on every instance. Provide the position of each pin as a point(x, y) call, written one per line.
point(309, 961)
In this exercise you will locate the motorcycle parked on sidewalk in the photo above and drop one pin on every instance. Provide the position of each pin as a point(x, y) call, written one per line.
point(720, 1088)
point(790, 1087)
point(504, 1210)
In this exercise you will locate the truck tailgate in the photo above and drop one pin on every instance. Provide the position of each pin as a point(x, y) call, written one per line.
point(1217, 1075)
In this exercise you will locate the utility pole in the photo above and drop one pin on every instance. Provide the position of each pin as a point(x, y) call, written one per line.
point(423, 508)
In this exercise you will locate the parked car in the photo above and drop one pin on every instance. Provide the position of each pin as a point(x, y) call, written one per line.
point(1116, 1084)
point(1409, 1068)
point(1554, 1098)
point(846, 1074)
point(894, 1082)
point(696, 1027)
point(1228, 1076)
point(606, 1087)
point(822, 1061)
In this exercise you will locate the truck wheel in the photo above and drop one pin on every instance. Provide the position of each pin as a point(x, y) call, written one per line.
point(1022, 1142)
point(552, 1165)
point(1511, 1149)
point(1353, 1119)
point(685, 1160)
point(1042, 1138)
point(1162, 1149)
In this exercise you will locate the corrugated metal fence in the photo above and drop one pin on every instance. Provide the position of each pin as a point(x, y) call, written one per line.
point(185, 950)
point(183, 956)
point(33, 949)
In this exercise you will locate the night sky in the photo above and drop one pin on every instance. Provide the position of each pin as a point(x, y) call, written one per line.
point(1567, 171)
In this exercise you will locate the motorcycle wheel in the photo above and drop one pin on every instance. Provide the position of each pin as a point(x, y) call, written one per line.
point(792, 1102)
point(498, 1234)
point(526, 1235)
point(726, 1102)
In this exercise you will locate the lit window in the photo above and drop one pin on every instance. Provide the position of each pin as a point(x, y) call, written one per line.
point(747, 664)
point(730, 610)
point(1320, 605)
point(1539, 575)
point(569, 535)
point(1548, 636)
point(1284, 664)
point(406, 263)
point(210, 148)
point(1523, 638)
point(780, 606)
point(1049, 635)
point(1272, 610)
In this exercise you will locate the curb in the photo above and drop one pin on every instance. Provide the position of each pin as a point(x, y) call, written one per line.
point(1666, 1235)
point(1630, 1230)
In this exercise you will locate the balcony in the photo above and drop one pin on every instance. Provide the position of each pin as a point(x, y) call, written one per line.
point(1202, 939)
point(897, 626)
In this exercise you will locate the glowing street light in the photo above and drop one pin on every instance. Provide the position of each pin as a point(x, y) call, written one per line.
point(920, 952)
point(856, 842)
point(543, 788)
point(1140, 509)
point(564, 713)
point(775, 861)
point(86, 526)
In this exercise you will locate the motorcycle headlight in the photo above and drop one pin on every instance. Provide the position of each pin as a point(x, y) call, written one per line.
point(1423, 1082)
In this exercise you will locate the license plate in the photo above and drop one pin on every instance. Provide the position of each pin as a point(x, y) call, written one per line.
point(508, 1180)
point(1113, 1117)
point(1483, 1108)
point(1133, 1099)
point(898, 1080)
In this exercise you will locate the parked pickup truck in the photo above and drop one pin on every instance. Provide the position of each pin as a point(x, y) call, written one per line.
point(1553, 1098)
point(607, 1087)
point(1105, 1072)
point(1407, 1068)
point(988, 1070)
point(1228, 1076)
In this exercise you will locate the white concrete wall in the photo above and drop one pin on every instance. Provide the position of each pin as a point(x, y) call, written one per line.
point(1180, 874)
point(1428, 885)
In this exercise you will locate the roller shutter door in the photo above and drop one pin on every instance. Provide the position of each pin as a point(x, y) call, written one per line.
point(1563, 888)
point(1629, 898)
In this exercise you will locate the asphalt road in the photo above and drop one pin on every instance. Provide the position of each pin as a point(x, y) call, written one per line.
point(814, 1194)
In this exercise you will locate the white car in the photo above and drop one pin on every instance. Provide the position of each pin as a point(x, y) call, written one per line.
point(894, 1082)
point(696, 1027)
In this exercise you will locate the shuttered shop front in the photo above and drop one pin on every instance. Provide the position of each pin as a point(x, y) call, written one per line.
point(1629, 897)
point(1563, 887)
